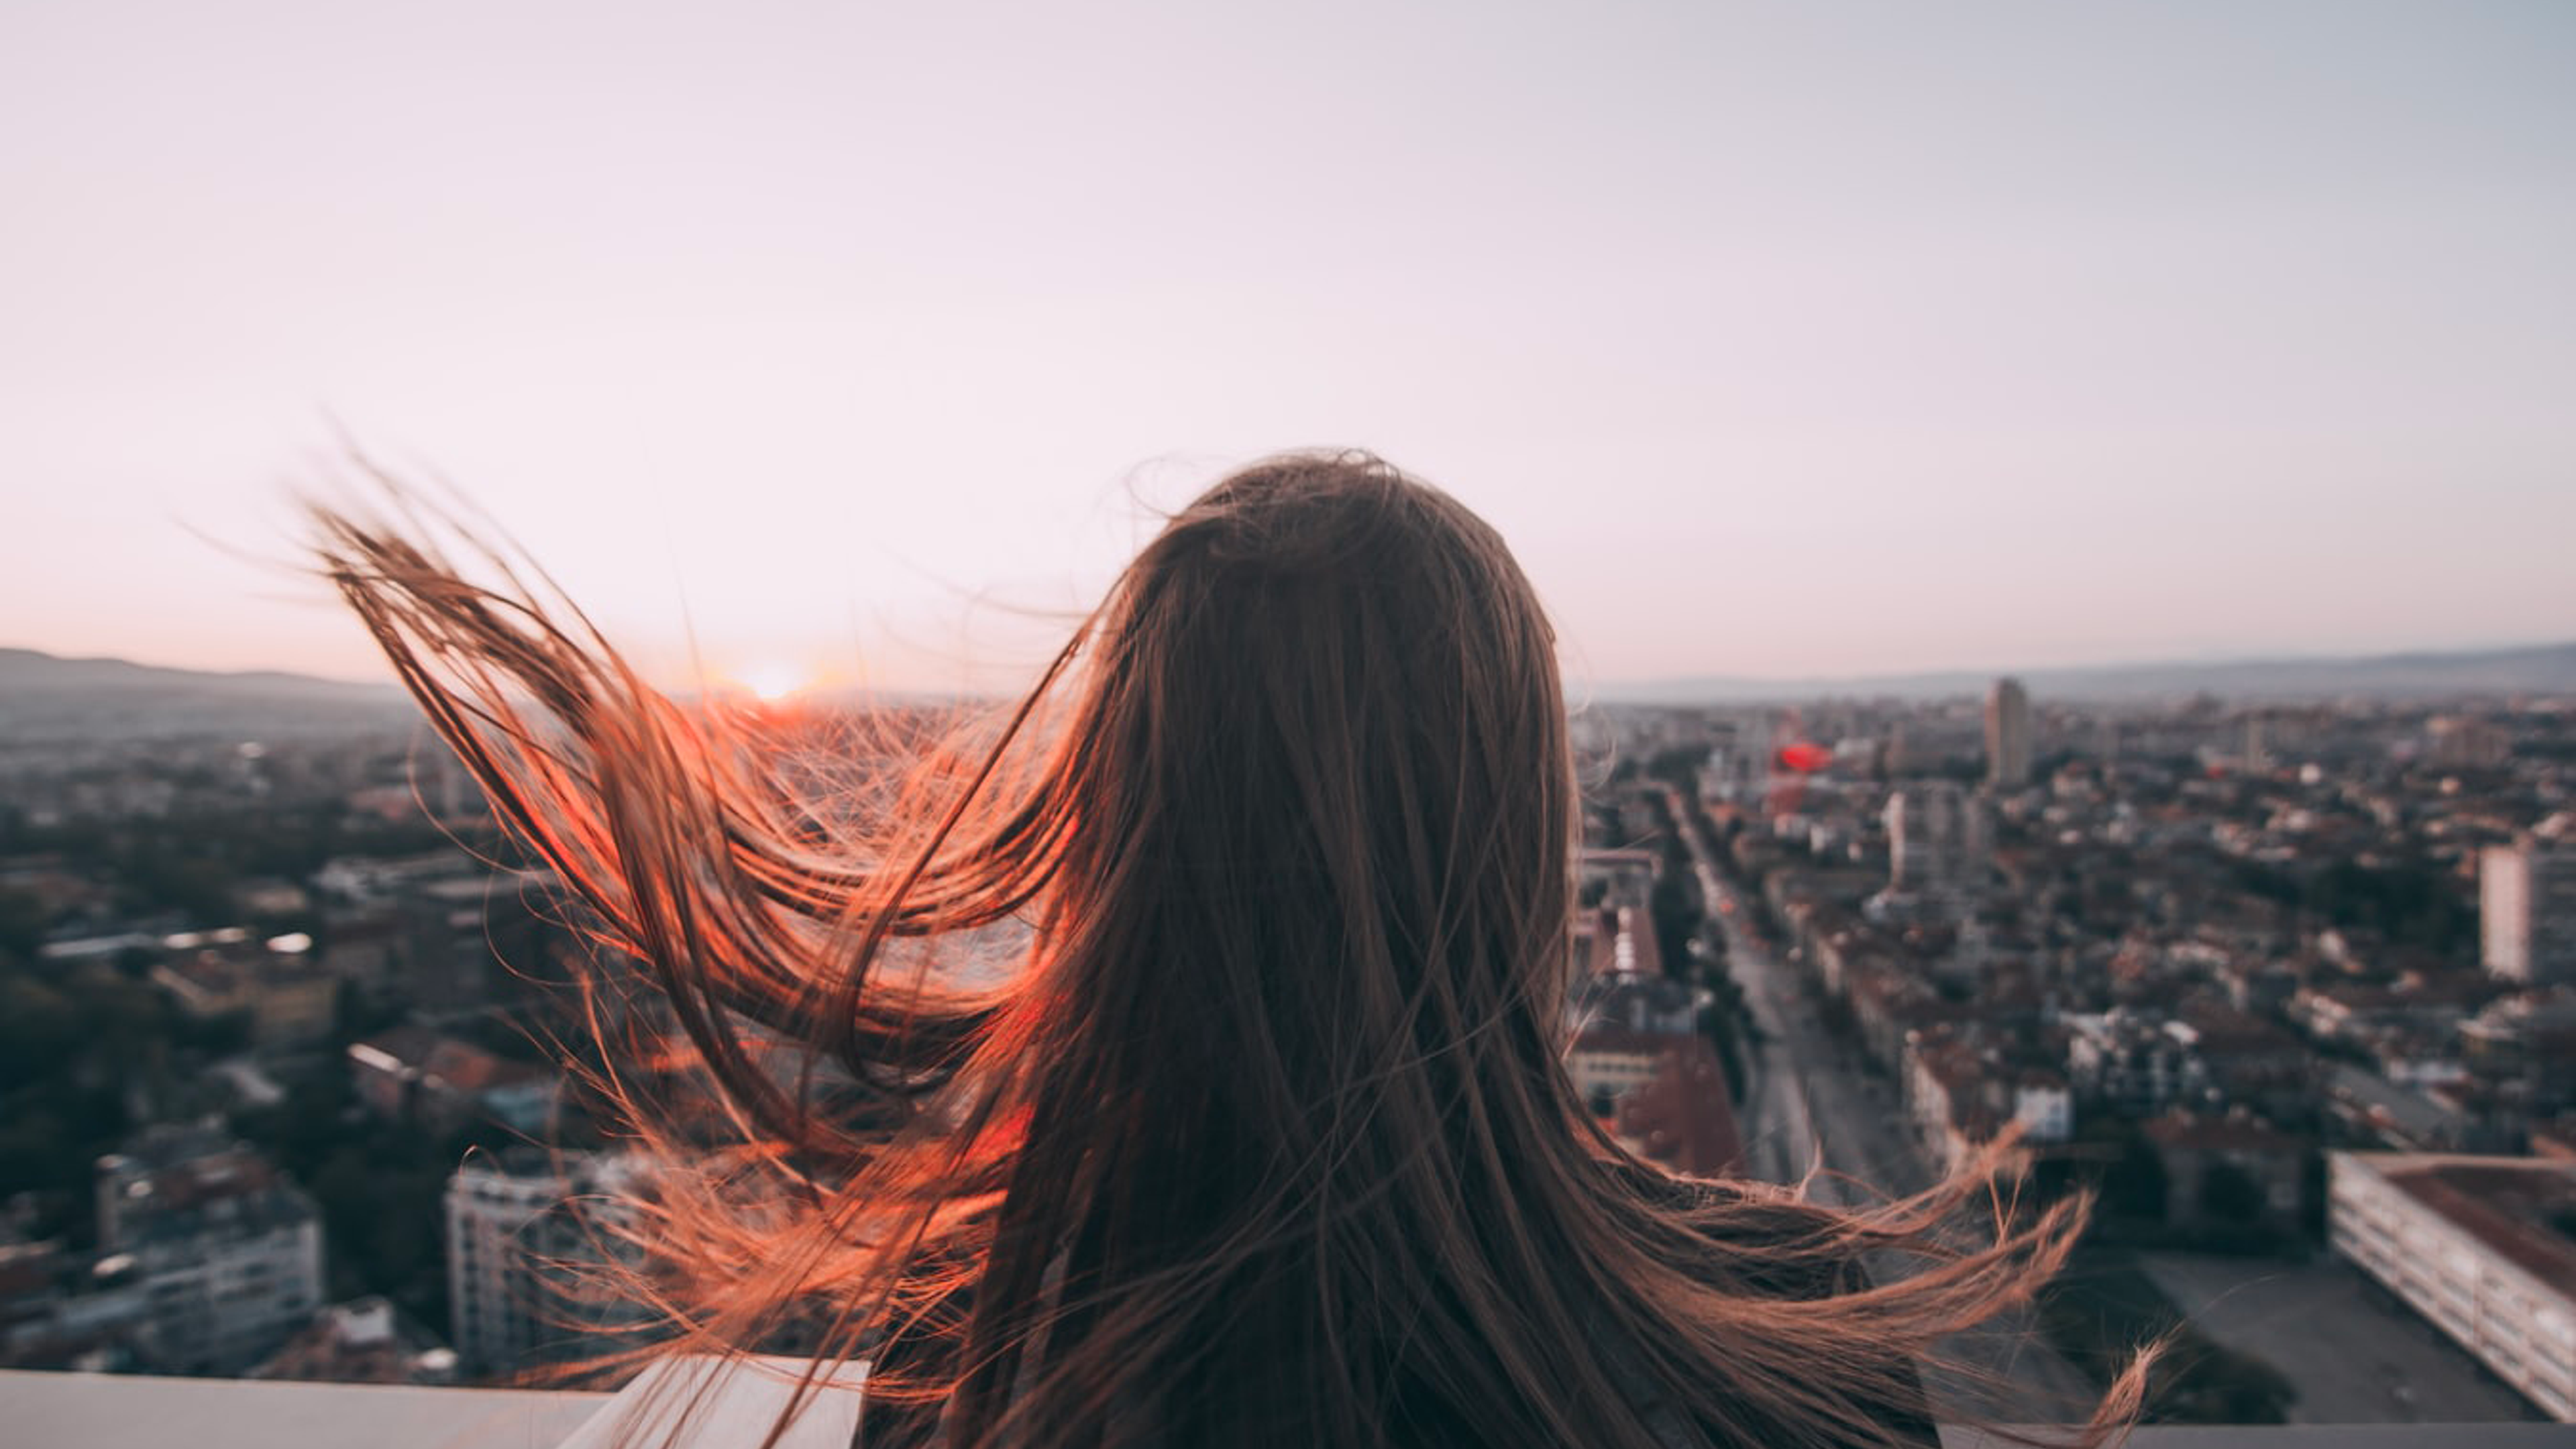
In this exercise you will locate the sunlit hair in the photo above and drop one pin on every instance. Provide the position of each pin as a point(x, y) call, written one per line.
point(1263, 1136)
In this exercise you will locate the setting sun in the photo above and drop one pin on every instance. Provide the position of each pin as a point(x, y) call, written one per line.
point(773, 681)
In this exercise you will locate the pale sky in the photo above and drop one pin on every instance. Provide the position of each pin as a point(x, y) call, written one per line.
point(1790, 340)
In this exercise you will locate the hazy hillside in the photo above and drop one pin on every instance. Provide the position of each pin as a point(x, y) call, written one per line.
point(45, 697)
point(2542, 670)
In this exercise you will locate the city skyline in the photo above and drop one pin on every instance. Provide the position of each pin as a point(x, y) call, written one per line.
point(2544, 672)
point(2221, 968)
point(1778, 345)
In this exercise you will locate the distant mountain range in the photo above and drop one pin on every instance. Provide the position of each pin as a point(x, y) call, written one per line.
point(2548, 669)
point(43, 697)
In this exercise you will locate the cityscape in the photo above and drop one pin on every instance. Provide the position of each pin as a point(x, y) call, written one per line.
point(2051, 520)
point(2288, 987)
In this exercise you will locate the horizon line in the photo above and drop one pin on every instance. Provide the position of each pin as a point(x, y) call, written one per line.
point(2285, 654)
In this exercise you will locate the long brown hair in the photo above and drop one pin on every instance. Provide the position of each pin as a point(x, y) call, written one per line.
point(1263, 1136)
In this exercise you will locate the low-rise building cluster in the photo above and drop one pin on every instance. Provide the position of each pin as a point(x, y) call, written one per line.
point(2184, 952)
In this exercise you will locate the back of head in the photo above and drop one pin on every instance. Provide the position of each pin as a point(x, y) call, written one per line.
point(1327, 809)
point(1303, 964)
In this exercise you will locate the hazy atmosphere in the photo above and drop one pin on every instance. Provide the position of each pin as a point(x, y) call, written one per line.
point(2055, 520)
point(1779, 341)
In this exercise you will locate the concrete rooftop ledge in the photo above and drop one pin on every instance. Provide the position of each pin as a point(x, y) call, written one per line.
point(2322, 1437)
point(77, 1411)
point(74, 1411)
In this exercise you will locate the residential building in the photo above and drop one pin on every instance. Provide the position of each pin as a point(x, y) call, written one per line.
point(1625, 878)
point(1937, 844)
point(2527, 911)
point(1682, 1117)
point(2480, 1247)
point(288, 1000)
point(1609, 1061)
point(65, 1310)
point(363, 1341)
point(2008, 735)
point(2135, 1063)
point(2228, 1169)
point(472, 940)
point(2465, 742)
point(532, 1256)
point(227, 1252)
point(412, 1073)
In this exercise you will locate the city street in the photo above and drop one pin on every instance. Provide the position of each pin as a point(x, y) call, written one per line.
point(1804, 1096)
point(2354, 1358)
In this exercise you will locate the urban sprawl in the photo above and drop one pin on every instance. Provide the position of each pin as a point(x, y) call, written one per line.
point(2290, 991)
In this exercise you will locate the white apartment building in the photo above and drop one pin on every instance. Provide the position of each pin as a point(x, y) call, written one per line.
point(2527, 911)
point(2044, 1107)
point(2137, 1062)
point(2480, 1247)
point(226, 1255)
point(527, 1234)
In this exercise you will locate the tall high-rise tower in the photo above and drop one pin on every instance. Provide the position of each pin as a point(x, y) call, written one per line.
point(2527, 911)
point(2008, 735)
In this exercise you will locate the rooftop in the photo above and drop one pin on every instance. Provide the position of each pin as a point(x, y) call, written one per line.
point(2521, 1208)
point(1683, 1117)
point(76, 1409)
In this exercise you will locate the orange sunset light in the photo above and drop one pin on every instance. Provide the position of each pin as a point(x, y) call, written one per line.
point(774, 681)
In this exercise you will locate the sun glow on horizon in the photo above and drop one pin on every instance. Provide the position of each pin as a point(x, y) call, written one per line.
point(775, 681)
